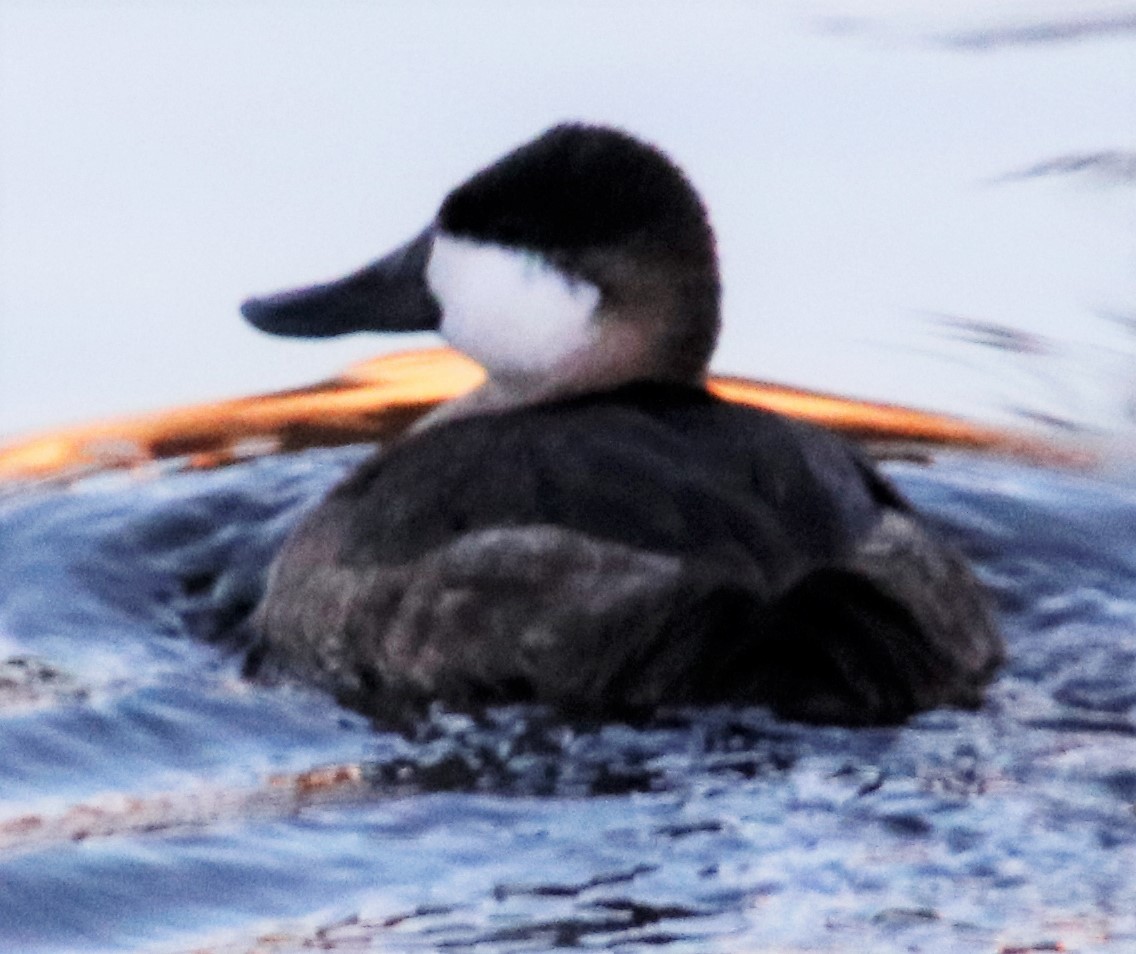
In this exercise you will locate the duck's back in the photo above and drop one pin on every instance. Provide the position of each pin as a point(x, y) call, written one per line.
point(613, 552)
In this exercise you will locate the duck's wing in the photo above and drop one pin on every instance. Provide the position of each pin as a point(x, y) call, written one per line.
point(595, 629)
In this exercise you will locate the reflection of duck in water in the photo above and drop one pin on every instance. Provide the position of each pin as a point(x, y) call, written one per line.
point(591, 529)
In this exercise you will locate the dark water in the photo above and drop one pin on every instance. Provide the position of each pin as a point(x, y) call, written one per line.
point(1012, 827)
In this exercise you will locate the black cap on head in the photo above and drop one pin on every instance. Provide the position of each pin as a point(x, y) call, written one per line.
point(580, 187)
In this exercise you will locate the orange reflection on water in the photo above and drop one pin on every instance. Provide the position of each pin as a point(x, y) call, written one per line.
point(378, 399)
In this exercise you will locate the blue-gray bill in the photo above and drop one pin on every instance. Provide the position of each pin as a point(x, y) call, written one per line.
point(388, 295)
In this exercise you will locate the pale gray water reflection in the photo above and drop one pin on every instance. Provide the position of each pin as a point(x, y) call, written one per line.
point(159, 163)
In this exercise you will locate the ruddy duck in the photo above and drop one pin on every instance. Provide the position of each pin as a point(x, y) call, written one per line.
point(591, 529)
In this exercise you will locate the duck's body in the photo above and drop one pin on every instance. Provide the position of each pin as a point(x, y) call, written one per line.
point(593, 530)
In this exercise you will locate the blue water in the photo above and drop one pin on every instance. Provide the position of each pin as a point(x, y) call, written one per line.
point(721, 830)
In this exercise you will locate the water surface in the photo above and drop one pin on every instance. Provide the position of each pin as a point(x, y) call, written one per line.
point(720, 830)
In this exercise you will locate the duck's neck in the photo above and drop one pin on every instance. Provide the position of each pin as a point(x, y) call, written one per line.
point(622, 352)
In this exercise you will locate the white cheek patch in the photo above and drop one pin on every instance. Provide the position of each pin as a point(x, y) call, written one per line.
point(509, 310)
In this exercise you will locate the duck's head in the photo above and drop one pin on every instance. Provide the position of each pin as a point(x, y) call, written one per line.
point(581, 260)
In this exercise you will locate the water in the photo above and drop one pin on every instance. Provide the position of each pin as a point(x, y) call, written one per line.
point(892, 183)
point(718, 830)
